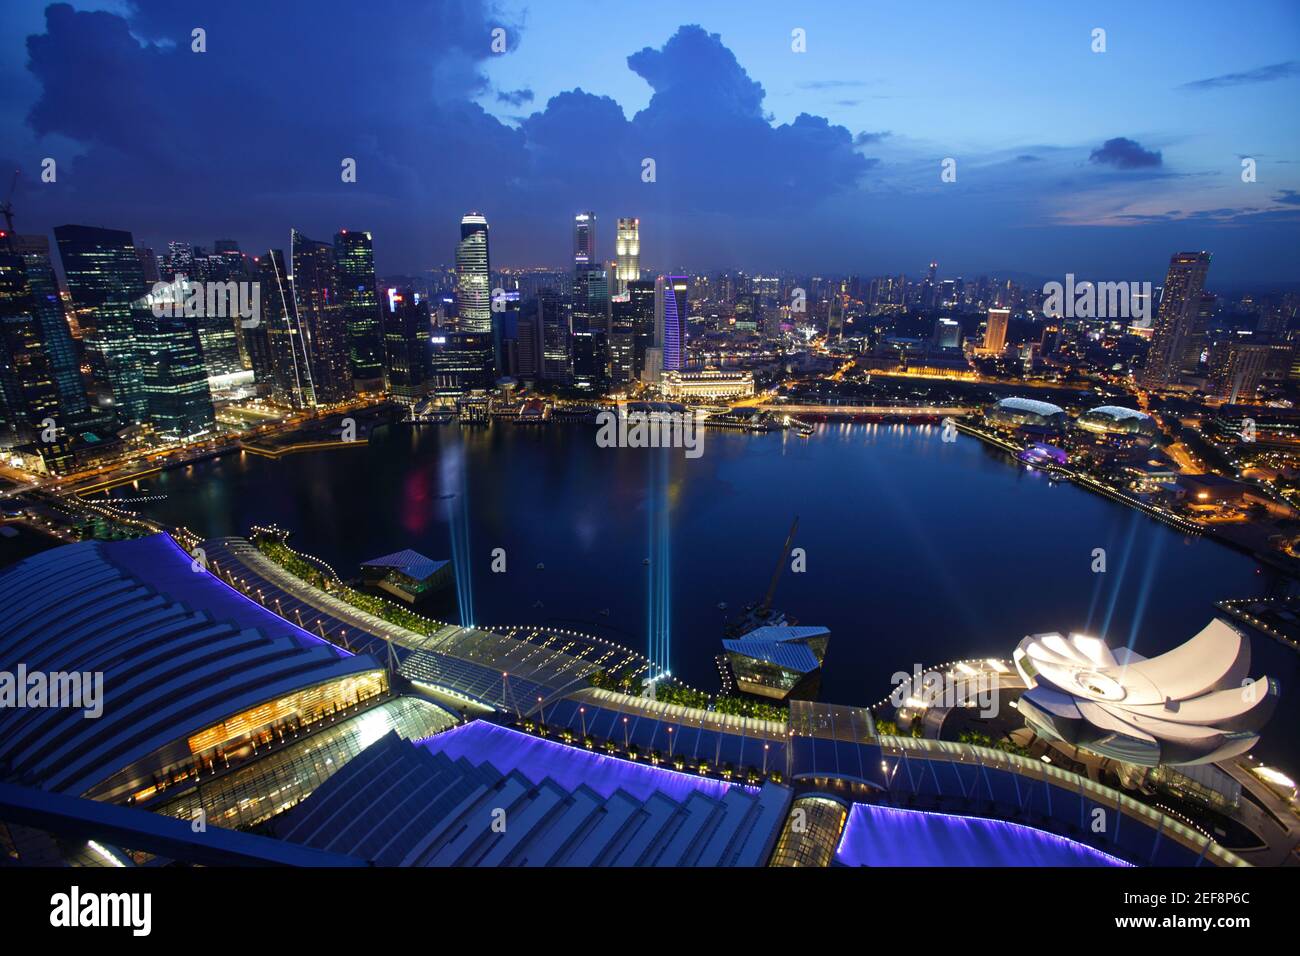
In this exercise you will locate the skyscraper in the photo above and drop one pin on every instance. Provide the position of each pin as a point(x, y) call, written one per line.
point(591, 300)
point(635, 309)
point(995, 331)
point(473, 283)
point(671, 309)
point(321, 317)
point(627, 246)
point(584, 241)
point(407, 345)
point(172, 371)
point(1175, 320)
point(1236, 367)
point(104, 278)
point(28, 396)
point(354, 275)
point(276, 347)
point(56, 339)
point(556, 325)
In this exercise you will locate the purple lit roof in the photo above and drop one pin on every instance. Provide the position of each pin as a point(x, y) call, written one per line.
point(570, 767)
point(886, 836)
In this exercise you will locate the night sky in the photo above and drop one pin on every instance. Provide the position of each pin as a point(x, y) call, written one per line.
point(767, 159)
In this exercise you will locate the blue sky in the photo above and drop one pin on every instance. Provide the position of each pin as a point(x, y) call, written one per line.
point(828, 160)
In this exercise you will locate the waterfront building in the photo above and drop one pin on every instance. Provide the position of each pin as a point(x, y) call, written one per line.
point(671, 309)
point(407, 575)
point(555, 323)
point(635, 309)
point(276, 347)
point(1196, 704)
point(778, 662)
point(461, 362)
point(707, 385)
point(172, 370)
point(622, 351)
point(1115, 420)
point(1025, 413)
point(473, 272)
point(354, 273)
point(407, 345)
point(321, 316)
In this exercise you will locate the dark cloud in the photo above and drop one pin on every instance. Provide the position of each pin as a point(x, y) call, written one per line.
point(1261, 74)
point(515, 97)
point(1288, 197)
point(867, 138)
point(246, 140)
point(1124, 153)
point(1028, 158)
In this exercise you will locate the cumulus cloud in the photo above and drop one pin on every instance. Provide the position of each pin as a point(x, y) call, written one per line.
point(246, 141)
point(1124, 153)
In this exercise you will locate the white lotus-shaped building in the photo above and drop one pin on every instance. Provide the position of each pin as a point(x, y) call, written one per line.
point(1194, 704)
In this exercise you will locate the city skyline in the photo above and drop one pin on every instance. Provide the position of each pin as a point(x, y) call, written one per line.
point(402, 405)
point(766, 159)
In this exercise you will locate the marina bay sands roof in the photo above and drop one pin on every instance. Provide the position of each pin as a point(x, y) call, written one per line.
point(189, 668)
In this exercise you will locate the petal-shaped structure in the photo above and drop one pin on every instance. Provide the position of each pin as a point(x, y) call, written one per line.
point(1194, 704)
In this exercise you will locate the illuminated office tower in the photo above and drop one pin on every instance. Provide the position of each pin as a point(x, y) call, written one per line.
point(621, 366)
point(56, 338)
point(276, 347)
point(671, 309)
point(172, 371)
point(1180, 302)
point(995, 332)
point(634, 311)
point(555, 323)
point(584, 241)
point(591, 300)
point(104, 278)
point(627, 247)
point(321, 317)
point(28, 394)
point(354, 277)
point(473, 285)
point(407, 344)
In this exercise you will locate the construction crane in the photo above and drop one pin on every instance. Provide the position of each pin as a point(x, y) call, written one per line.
point(760, 614)
point(8, 210)
point(780, 566)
